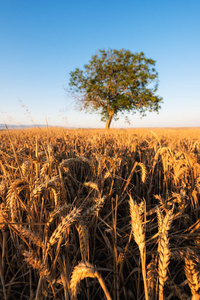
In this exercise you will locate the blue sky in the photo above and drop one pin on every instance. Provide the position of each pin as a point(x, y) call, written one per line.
point(41, 41)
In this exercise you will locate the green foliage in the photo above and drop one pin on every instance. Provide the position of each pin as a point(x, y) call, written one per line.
point(117, 81)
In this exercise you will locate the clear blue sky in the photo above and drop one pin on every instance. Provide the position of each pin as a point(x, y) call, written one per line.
point(41, 41)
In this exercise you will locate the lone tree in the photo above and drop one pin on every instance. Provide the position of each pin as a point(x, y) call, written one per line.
point(116, 81)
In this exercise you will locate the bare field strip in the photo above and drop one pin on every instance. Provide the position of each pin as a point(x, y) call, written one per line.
point(95, 214)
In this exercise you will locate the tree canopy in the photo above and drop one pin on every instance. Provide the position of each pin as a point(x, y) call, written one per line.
point(117, 81)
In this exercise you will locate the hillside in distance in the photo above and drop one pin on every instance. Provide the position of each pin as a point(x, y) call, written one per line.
point(12, 126)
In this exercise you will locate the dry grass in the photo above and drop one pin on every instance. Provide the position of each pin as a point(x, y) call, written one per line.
point(71, 201)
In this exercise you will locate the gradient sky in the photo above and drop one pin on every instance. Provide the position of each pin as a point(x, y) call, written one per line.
point(41, 41)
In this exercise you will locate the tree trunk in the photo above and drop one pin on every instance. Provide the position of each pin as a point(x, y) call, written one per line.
point(111, 115)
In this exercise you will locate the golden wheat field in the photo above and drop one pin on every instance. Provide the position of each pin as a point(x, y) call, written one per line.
point(94, 214)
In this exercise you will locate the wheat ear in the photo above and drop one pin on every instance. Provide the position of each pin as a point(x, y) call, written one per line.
point(191, 272)
point(163, 248)
point(66, 222)
point(3, 216)
point(83, 270)
point(151, 278)
point(83, 232)
point(195, 297)
point(28, 233)
point(137, 226)
point(36, 264)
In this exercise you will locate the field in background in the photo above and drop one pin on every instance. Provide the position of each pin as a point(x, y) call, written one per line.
point(99, 214)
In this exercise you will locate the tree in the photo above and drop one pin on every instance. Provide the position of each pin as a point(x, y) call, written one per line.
point(117, 81)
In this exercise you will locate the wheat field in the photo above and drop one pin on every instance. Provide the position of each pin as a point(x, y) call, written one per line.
point(94, 214)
